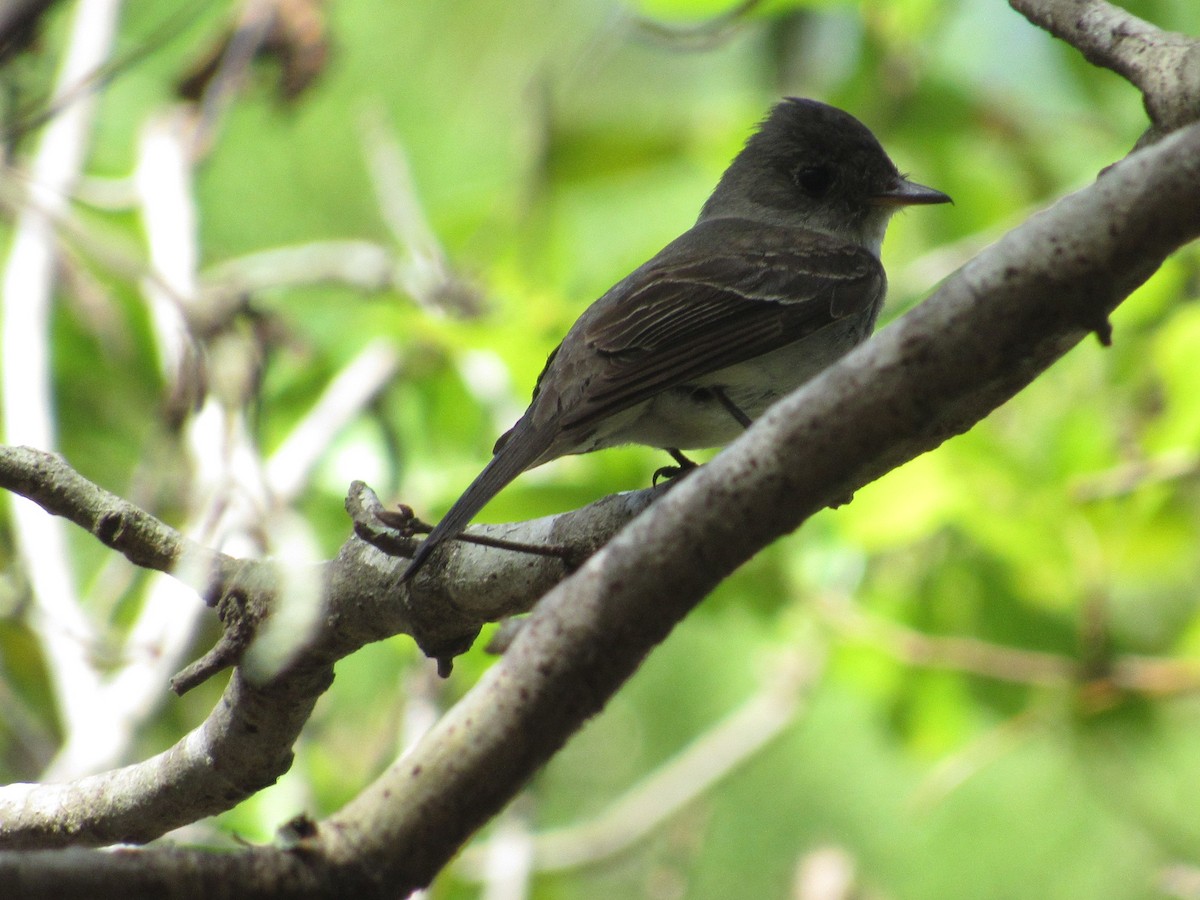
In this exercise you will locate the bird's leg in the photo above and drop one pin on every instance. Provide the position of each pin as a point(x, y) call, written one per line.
point(730, 407)
point(685, 464)
point(668, 472)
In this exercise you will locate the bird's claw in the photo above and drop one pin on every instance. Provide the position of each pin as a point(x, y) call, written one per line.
point(684, 466)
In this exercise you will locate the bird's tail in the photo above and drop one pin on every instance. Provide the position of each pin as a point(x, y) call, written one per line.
point(521, 449)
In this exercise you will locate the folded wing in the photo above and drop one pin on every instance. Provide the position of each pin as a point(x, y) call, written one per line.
point(726, 292)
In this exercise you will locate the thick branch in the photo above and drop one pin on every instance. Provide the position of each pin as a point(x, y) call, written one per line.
point(985, 334)
point(245, 744)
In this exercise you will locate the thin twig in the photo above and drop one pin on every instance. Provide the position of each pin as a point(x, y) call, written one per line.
point(425, 272)
point(705, 35)
point(1130, 477)
point(343, 399)
point(1137, 674)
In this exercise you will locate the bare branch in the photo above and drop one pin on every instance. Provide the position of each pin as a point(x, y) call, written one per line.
point(1131, 476)
point(473, 583)
point(360, 264)
point(424, 272)
point(984, 335)
point(989, 330)
point(243, 746)
point(47, 480)
point(1135, 674)
point(961, 654)
point(245, 743)
point(705, 35)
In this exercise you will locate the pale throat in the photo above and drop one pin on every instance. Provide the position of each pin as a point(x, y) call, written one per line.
point(874, 228)
point(869, 234)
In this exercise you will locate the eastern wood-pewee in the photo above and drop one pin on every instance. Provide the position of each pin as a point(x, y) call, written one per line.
point(778, 278)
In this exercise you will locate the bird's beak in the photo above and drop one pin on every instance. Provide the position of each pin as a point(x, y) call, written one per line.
point(909, 193)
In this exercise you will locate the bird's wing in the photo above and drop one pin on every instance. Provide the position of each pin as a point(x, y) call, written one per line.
point(725, 292)
point(718, 296)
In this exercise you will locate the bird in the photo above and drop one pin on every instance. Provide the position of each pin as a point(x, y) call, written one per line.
point(779, 277)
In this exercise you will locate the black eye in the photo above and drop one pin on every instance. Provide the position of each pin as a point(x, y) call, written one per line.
point(814, 180)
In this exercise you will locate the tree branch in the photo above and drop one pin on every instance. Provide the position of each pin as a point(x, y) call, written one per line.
point(986, 333)
point(245, 744)
point(983, 336)
point(47, 480)
point(711, 756)
point(1127, 673)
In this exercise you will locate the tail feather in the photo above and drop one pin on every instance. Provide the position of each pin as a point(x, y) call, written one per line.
point(516, 455)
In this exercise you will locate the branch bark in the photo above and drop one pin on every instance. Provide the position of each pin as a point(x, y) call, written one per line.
point(242, 747)
point(145, 541)
point(992, 328)
point(985, 334)
point(989, 330)
point(245, 744)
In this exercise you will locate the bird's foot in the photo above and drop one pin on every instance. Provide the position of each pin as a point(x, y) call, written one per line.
point(671, 472)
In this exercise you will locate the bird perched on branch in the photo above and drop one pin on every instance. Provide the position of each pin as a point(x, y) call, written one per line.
point(778, 278)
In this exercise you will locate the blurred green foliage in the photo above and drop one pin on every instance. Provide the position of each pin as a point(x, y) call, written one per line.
point(555, 145)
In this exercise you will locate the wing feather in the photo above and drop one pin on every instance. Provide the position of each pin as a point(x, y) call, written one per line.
point(718, 296)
